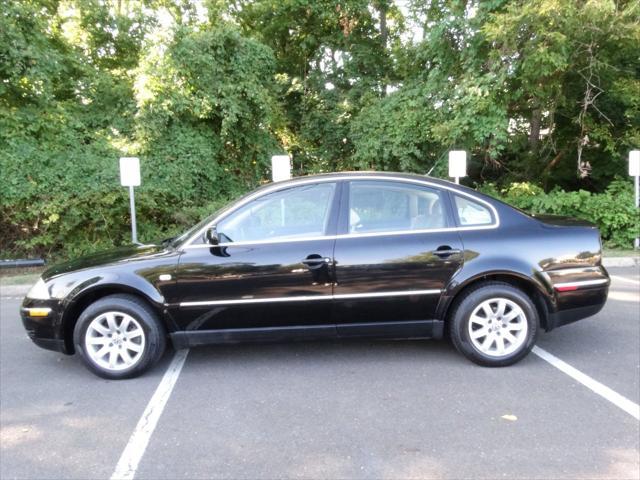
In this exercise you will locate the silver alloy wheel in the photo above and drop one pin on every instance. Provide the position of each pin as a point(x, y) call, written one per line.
point(114, 341)
point(498, 327)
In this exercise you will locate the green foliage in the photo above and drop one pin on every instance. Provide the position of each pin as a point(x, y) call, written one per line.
point(395, 133)
point(206, 108)
point(198, 116)
point(563, 65)
point(204, 93)
point(332, 57)
point(613, 210)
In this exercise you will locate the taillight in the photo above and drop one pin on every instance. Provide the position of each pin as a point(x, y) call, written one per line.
point(567, 288)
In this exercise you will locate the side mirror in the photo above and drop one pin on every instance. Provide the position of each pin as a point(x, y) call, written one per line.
point(212, 236)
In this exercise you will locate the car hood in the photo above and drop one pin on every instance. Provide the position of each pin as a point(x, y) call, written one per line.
point(108, 257)
point(562, 221)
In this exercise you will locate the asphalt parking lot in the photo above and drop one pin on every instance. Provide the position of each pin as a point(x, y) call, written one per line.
point(358, 409)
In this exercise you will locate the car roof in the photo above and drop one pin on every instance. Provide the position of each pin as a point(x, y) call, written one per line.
point(376, 175)
point(364, 174)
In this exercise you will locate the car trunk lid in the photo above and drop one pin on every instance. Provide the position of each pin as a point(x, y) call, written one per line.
point(563, 221)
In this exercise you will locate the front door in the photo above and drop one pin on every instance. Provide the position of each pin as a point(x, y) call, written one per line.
point(272, 268)
point(395, 253)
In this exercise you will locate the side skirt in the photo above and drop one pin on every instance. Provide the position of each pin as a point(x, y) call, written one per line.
point(403, 329)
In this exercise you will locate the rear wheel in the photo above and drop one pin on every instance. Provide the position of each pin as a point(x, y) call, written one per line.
point(119, 336)
point(494, 324)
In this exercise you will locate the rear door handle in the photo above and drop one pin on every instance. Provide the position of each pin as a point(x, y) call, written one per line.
point(445, 251)
point(316, 261)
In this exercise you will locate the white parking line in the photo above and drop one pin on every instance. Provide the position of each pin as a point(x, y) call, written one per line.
point(623, 279)
point(624, 297)
point(605, 392)
point(133, 452)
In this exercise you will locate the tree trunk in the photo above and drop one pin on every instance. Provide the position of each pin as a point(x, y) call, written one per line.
point(534, 132)
point(384, 35)
point(384, 32)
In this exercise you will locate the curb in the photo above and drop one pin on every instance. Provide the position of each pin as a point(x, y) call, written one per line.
point(13, 290)
point(621, 261)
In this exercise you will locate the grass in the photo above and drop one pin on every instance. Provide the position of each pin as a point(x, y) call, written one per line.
point(608, 252)
point(20, 276)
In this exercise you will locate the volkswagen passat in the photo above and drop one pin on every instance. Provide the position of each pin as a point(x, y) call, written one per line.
point(331, 256)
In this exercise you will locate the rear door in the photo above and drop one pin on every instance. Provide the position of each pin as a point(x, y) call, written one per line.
point(396, 250)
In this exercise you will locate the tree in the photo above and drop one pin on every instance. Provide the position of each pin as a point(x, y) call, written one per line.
point(205, 92)
point(205, 112)
point(331, 56)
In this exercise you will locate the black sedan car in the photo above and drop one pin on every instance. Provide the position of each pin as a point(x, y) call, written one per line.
point(330, 256)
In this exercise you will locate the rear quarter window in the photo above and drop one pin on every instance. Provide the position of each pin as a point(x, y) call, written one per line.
point(472, 213)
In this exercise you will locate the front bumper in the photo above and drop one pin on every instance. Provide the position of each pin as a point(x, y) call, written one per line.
point(44, 330)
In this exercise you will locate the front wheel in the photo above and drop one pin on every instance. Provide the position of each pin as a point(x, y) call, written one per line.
point(119, 336)
point(494, 325)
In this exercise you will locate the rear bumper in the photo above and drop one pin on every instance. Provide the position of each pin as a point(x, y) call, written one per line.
point(565, 317)
point(577, 305)
point(577, 293)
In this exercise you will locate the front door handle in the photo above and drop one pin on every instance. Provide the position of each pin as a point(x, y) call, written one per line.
point(316, 261)
point(445, 251)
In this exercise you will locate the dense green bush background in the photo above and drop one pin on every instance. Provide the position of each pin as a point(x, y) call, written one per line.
point(612, 211)
point(543, 94)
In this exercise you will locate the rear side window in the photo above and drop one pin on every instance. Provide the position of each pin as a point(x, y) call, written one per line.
point(472, 213)
point(376, 206)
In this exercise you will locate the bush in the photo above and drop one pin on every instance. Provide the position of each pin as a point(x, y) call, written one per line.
point(612, 211)
point(200, 125)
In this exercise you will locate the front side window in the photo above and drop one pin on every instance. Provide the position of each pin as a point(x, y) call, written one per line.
point(376, 206)
point(472, 213)
point(296, 212)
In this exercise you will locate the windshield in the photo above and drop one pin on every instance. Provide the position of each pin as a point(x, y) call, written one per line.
point(177, 241)
point(186, 235)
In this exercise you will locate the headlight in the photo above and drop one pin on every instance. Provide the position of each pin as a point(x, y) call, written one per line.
point(39, 291)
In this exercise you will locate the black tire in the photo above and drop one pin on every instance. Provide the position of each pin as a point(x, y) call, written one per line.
point(460, 319)
point(153, 334)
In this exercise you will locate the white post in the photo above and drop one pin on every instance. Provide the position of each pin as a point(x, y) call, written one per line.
point(132, 205)
point(130, 177)
point(637, 244)
point(457, 164)
point(634, 171)
point(637, 182)
point(280, 167)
